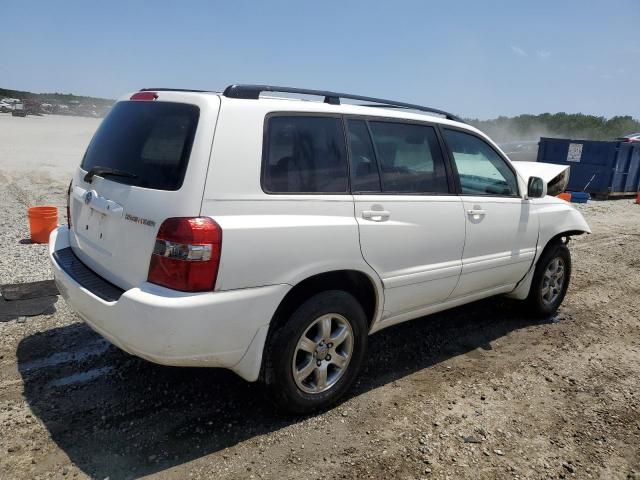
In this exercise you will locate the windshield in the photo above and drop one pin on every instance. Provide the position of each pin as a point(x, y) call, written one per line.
point(149, 140)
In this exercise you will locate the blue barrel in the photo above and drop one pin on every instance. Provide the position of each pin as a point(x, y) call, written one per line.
point(580, 197)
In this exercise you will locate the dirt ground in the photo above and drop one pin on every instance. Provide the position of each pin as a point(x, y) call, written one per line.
point(479, 392)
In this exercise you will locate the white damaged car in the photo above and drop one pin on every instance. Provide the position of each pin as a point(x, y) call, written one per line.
point(271, 235)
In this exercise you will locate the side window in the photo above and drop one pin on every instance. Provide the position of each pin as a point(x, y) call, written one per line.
point(407, 156)
point(305, 155)
point(364, 169)
point(481, 170)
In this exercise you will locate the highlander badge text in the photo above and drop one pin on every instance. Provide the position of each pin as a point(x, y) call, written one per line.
point(141, 221)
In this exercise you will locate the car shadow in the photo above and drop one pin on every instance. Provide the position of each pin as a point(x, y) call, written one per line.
point(119, 416)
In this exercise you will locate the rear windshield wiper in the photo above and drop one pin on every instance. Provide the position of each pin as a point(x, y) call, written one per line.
point(104, 171)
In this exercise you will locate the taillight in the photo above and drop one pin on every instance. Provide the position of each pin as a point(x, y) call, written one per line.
point(186, 254)
point(68, 205)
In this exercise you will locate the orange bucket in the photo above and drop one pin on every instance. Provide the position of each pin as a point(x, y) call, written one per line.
point(565, 196)
point(42, 221)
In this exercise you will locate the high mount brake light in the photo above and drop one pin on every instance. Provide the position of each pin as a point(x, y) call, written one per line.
point(186, 254)
point(144, 96)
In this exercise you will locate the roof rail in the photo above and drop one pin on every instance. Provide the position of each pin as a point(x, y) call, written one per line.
point(161, 89)
point(252, 92)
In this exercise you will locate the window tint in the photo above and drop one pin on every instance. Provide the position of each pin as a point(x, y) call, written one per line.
point(409, 157)
point(481, 170)
point(364, 170)
point(151, 140)
point(305, 155)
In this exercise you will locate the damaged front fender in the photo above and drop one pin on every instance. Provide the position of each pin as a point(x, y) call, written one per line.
point(557, 218)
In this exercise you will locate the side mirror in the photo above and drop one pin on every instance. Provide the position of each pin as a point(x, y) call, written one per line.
point(536, 187)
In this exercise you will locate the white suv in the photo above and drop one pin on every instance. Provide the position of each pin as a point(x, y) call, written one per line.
point(271, 236)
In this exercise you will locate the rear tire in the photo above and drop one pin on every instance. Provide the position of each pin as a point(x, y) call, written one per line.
point(550, 280)
point(313, 358)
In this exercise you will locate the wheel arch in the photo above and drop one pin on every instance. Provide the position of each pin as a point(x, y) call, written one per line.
point(558, 237)
point(569, 233)
point(521, 291)
point(356, 282)
point(361, 285)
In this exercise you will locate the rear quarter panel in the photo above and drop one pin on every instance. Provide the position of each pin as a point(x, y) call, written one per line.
point(267, 238)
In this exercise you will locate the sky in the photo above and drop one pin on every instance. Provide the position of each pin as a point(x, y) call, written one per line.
point(478, 59)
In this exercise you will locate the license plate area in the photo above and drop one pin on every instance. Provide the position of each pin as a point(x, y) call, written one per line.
point(95, 225)
point(98, 219)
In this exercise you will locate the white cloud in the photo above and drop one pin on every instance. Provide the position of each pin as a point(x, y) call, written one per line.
point(518, 51)
point(543, 54)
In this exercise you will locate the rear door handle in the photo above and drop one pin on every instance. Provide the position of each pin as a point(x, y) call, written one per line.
point(376, 215)
point(475, 212)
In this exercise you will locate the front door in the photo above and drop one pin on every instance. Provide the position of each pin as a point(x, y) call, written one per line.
point(501, 226)
point(411, 225)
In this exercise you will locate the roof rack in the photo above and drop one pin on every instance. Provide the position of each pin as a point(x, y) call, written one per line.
point(162, 89)
point(252, 92)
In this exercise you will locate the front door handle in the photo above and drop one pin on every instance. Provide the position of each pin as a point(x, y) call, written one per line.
point(376, 215)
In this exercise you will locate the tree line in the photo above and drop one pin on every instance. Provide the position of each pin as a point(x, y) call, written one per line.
point(576, 126)
point(54, 97)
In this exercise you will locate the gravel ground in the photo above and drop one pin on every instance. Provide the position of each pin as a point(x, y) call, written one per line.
point(481, 391)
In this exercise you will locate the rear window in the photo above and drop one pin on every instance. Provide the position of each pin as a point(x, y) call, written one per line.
point(305, 154)
point(151, 140)
point(408, 156)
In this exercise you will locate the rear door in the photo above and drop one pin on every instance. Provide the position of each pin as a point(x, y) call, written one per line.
point(157, 152)
point(411, 224)
point(501, 226)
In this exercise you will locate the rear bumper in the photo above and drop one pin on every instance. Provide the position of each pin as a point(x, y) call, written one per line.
point(216, 329)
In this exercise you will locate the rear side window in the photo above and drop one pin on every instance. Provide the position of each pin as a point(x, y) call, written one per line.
point(408, 156)
point(151, 140)
point(480, 169)
point(304, 154)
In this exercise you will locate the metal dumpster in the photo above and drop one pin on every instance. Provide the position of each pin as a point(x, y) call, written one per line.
point(601, 168)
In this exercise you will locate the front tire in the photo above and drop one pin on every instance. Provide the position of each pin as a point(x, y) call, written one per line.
point(550, 280)
point(313, 358)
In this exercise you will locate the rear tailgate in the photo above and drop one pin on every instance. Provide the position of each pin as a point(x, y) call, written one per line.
point(159, 149)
